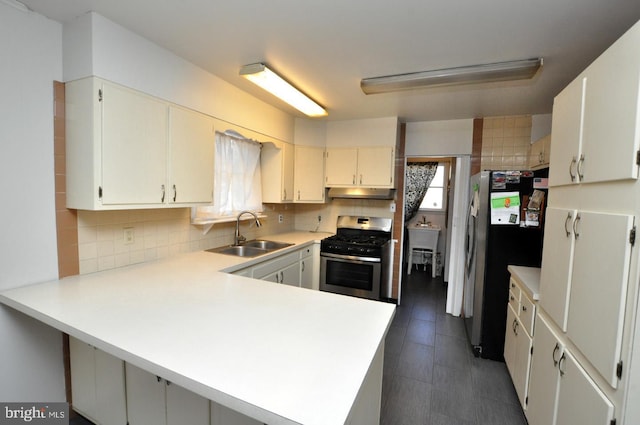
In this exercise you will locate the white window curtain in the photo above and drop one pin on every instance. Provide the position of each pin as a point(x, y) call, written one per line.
point(237, 184)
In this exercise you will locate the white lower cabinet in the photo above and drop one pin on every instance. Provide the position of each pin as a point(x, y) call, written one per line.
point(152, 400)
point(221, 415)
point(561, 392)
point(284, 269)
point(97, 384)
point(518, 340)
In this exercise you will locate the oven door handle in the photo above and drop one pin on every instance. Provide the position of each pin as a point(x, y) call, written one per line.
point(351, 258)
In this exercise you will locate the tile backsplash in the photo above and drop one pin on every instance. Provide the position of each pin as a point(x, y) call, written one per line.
point(506, 142)
point(158, 234)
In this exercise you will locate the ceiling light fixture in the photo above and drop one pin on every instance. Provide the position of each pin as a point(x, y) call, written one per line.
point(501, 71)
point(259, 74)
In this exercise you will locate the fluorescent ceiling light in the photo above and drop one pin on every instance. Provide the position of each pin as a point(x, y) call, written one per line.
point(259, 74)
point(501, 71)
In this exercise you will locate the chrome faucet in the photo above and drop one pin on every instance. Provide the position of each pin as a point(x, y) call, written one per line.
point(238, 237)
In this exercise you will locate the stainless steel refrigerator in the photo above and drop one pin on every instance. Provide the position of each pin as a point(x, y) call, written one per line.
point(498, 234)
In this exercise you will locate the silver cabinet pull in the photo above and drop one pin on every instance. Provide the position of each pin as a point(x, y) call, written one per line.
point(524, 308)
point(162, 197)
point(561, 364)
point(553, 354)
point(566, 222)
point(575, 226)
point(579, 168)
point(571, 166)
point(175, 193)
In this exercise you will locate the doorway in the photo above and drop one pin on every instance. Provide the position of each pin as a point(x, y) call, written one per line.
point(449, 215)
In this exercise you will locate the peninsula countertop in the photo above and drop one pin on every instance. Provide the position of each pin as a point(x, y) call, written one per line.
point(277, 353)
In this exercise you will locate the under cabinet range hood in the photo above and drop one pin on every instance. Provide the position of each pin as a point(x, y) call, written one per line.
point(361, 193)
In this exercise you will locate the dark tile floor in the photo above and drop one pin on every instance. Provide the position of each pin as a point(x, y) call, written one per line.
point(430, 374)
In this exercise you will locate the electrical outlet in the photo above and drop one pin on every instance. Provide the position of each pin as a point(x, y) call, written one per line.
point(280, 218)
point(129, 235)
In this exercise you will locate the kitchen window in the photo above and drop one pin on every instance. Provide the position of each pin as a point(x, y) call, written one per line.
point(237, 183)
point(435, 198)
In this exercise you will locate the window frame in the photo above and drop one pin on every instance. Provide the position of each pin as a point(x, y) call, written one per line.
point(445, 188)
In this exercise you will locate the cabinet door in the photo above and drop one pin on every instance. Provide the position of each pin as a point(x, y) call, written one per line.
point(276, 161)
point(375, 167)
point(83, 377)
point(610, 139)
point(536, 154)
point(185, 407)
point(341, 166)
point(580, 401)
point(290, 275)
point(306, 273)
point(309, 174)
point(510, 340)
point(221, 415)
point(110, 390)
point(520, 375)
point(191, 157)
point(145, 397)
point(545, 378)
point(557, 260)
point(566, 132)
point(134, 147)
point(598, 288)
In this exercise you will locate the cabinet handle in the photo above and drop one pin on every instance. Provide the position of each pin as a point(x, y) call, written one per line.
point(561, 364)
point(524, 308)
point(361, 179)
point(575, 226)
point(353, 181)
point(553, 355)
point(571, 165)
point(515, 327)
point(298, 195)
point(281, 277)
point(162, 197)
point(302, 268)
point(175, 193)
point(285, 194)
point(513, 298)
point(579, 168)
point(566, 222)
point(158, 378)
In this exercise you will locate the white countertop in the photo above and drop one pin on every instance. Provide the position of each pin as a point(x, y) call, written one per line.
point(529, 279)
point(277, 353)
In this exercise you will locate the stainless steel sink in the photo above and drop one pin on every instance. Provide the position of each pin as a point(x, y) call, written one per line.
point(251, 248)
point(268, 245)
point(239, 251)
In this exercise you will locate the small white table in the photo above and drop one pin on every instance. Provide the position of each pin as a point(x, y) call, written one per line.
point(424, 238)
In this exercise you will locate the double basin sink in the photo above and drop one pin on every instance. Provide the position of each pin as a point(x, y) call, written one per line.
point(251, 248)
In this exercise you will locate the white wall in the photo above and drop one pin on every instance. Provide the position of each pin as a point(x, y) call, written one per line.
point(97, 46)
point(31, 364)
point(439, 138)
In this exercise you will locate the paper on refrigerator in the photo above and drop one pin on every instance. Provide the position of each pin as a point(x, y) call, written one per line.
point(505, 208)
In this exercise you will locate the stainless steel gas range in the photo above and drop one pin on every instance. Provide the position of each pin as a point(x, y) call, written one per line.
point(357, 259)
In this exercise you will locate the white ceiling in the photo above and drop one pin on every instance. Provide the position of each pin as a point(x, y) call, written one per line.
point(326, 47)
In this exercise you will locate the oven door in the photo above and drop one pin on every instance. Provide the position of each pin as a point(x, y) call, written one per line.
point(349, 275)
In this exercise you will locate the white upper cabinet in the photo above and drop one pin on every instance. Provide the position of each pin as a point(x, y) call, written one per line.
point(129, 150)
point(134, 147)
point(594, 130)
point(309, 174)
point(191, 159)
point(276, 162)
point(362, 166)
